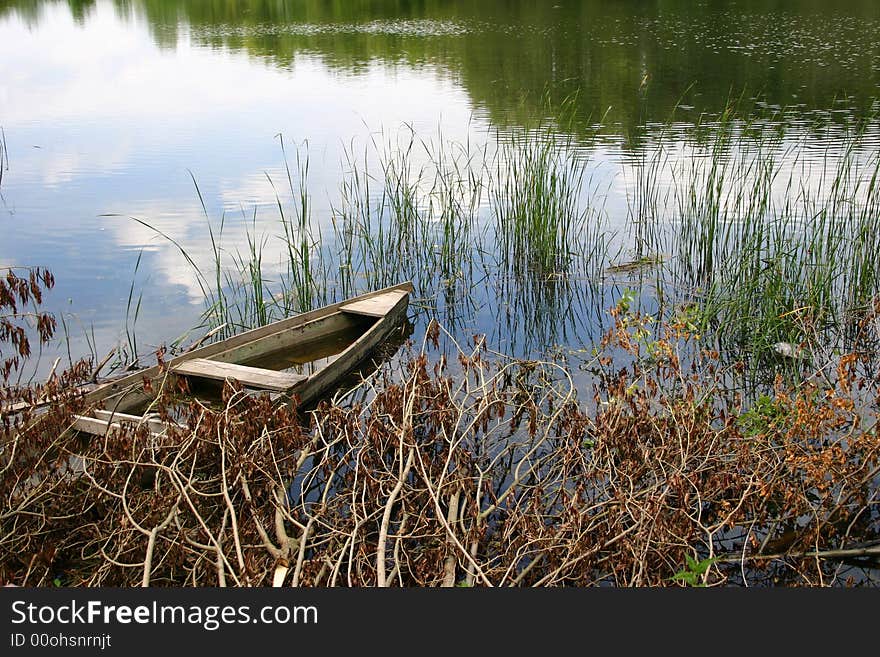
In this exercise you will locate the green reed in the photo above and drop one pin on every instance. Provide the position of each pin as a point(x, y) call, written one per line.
point(409, 210)
point(535, 196)
point(763, 244)
point(304, 283)
point(4, 155)
point(131, 315)
point(774, 248)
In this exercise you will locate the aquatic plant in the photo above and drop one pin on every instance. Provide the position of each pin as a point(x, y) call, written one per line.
point(4, 155)
point(763, 245)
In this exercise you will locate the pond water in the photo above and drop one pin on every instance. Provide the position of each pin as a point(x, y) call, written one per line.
point(131, 126)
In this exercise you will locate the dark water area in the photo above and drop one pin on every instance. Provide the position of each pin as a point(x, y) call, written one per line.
point(131, 126)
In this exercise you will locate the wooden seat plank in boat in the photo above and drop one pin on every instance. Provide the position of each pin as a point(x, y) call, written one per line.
point(376, 306)
point(101, 422)
point(252, 377)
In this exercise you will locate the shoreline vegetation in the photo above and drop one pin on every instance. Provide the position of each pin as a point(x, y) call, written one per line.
point(718, 427)
point(490, 473)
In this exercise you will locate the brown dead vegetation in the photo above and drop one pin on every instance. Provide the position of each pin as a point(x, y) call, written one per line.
point(483, 471)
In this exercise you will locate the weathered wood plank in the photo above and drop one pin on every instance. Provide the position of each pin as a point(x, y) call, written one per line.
point(94, 426)
point(156, 425)
point(107, 423)
point(68, 394)
point(377, 306)
point(254, 377)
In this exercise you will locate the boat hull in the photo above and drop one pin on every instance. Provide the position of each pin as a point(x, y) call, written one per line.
point(138, 389)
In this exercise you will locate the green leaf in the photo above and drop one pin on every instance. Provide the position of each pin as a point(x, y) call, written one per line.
point(694, 570)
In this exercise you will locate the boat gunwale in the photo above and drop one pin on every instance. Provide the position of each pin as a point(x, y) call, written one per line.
point(368, 341)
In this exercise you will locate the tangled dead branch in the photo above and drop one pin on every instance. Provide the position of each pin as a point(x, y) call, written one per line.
point(480, 471)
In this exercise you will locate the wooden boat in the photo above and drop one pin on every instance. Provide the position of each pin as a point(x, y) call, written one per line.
point(325, 344)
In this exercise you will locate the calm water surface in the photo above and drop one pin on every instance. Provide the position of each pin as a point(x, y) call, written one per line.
point(174, 113)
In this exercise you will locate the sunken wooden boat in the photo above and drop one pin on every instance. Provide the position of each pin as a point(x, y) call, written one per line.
point(325, 345)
